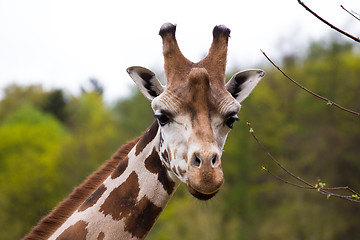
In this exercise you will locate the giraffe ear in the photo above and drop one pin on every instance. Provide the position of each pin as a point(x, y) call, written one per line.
point(146, 81)
point(242, 83)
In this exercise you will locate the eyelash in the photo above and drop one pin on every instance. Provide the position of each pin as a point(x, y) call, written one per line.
point(162, 118)
point(231, 120)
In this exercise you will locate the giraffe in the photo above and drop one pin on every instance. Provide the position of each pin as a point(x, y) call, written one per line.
point(193, 115)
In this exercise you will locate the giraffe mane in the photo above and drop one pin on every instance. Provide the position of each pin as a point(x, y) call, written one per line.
point(48, 224)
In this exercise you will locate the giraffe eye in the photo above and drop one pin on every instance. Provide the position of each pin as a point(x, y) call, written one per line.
point(231, 120)
point(162, 118)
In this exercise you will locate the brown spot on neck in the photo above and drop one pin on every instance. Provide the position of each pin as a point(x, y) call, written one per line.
point(147, 138)
point(154, 165)
point(76, 231)
point(120, 168)
point(122, 204)
point(121, 201)
point(93, 198)
point(142, 219)
point(101, 236)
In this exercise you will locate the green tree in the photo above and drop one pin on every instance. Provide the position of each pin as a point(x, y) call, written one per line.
point(94, 138)
point(56, 104)
point(16, 96)
point(133, 115)
point(29, 144)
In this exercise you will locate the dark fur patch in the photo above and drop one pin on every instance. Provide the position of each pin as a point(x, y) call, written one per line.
point(76, 231)
point(93, 198)
point(122, 199)
point(142, 218)
point(161, 141)
point(146, 77)
point(150, 91)
point(122, 203)
point(192, 110)
point(58, 216)
point(175, 171)
point(120, 168)
point(101, 236)
point(239, 80)
point(147, 137)
point(165, 156)
point(154, 165)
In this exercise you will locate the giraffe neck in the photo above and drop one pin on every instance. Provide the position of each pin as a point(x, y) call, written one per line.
point(127, 204)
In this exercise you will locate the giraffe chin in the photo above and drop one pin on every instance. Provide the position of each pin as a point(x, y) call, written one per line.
point(199, 195)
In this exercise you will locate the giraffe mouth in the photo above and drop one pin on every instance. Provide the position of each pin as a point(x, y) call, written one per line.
point(200, 195)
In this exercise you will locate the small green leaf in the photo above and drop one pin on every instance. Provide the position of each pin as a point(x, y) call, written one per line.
point(319, 185)
point(355, 196)
point(329, 103)
point(328, 196)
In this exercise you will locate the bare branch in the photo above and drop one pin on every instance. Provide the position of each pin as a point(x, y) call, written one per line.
point(356, 39)
point(320, 186)
point(328, 101)
point(349, 12)
point(342, 188)
point(274, 160)
point(286, 181)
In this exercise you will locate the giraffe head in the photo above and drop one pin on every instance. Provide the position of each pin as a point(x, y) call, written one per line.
point(196, 110)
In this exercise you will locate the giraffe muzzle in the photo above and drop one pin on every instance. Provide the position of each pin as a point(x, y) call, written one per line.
point(205, 176)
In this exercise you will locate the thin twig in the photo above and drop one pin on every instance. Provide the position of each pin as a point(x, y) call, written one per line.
point(286, 181)
point(349, 12)
point(342, 188)
point(328, 101)
point(323, 190)
point(355, 197)
point(356, 39)
point(272, 158)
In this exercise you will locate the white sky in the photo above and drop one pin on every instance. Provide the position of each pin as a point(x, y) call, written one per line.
point(63, 43)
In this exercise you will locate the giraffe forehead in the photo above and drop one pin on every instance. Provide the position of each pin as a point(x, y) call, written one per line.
point(196, 99)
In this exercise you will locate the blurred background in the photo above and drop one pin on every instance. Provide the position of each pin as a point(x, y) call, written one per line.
point(66, 104)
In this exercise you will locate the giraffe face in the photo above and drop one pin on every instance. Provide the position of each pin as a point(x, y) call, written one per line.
point(196, 110)
point(194, 120)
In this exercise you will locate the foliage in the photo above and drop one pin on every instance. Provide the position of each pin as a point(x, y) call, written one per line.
point(50, 141)
point(29, 144)
point(94, 137)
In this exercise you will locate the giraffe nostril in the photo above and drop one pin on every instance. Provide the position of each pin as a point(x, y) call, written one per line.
point(196, 162)
point(214, 160)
